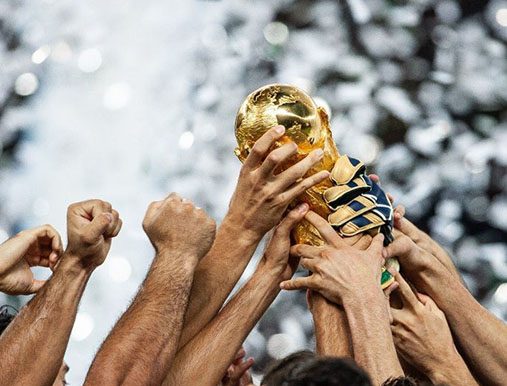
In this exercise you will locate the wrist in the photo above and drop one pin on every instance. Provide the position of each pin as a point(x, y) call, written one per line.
point(184, 259)
point(448, 372)
point(73, 266)
point(363, 296)
point(236, 227)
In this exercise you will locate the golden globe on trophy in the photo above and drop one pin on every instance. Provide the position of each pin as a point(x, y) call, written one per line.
point(351, 202)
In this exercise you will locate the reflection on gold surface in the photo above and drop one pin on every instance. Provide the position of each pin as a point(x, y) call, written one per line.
point(306, 124)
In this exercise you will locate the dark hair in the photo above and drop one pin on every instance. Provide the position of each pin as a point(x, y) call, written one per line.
point(401, 381)
point(283, 369)
point(7, 314)
point(324, 371)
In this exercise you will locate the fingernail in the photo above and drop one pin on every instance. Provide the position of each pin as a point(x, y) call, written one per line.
point(392, 271)
point(280, 129)
point(319, 153)
point(109, 217)
point(303, 207)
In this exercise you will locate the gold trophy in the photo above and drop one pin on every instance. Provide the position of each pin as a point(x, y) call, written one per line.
point(349, 200)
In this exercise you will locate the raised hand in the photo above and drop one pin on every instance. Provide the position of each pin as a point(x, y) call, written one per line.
point(237, 373)
point(423, 338)
point(175, 224)
point(41, 246)
point(276, 258)
point(91, 225)
point(339, 271)
point(263, 192)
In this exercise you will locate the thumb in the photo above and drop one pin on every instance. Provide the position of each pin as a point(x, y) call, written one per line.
point(36, 286)
point(98, 226)
point(377, 245)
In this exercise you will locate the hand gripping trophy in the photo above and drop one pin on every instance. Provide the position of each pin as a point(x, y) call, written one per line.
point(352, 203)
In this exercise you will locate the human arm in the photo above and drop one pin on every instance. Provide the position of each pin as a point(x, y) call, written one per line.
point(261, 197)
point(348, 276)
point(142, 345)
point(481, 336)
point(332, 333)
point(227, 331)
point(44, 324)
point(423, 338)
point(41, 246)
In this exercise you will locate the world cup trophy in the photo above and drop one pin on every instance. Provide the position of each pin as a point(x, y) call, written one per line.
point(351, 202)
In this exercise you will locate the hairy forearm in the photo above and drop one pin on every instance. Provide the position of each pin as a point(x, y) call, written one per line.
point(216, 275)
point(224, 335)
point(332, 332)
point(481, 336)
point(43, 326)
point(142, 345)
point(452, 371)
point(372, 341)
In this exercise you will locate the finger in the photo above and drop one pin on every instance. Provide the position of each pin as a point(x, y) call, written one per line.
point(290, 220)
point(116, 230)
point(375, 178)
point(306, 251)
point(98, 227)
point(95, 207)
point(397, 315)
point(325, 229)
point(401, 247)
point(390, 197)
point(389, 290)
point(240, 354)
point(36, 285)
point(297, 171)
point(56, 240)
point(303, 185)
point(377, 246)
point(298, 283)
point(407, 296)
point(425, 299)
point(276, 158)
point(309, 264)
point(261, 148)
point(112, 226)
point(242, 368)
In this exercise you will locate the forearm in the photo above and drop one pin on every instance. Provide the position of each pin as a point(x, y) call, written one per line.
point(224, 335)
point(372, 341)
point(43, 326)
point(332, 332)
point(452, 371)
point(142, 345)
point(481, 336)
point(216, 275)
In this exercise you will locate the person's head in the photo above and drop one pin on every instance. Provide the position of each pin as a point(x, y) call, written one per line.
point(309, 370)
point(400, 381)
point(282, 369)
point(7, 315)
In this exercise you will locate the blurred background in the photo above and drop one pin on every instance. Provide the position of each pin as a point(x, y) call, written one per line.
point(126, 101)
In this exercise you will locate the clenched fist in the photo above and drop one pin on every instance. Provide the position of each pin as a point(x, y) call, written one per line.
point(175, 224)
point(91, 225)
point(40, 247)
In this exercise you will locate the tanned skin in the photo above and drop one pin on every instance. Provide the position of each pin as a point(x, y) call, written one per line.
point(224, 335)
point(45, 323)
point(423, 338)
point(38, 247)
point(481, 336)
point(140, 348)
point(261, 198)
point(332, 332)
point(351, 277)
